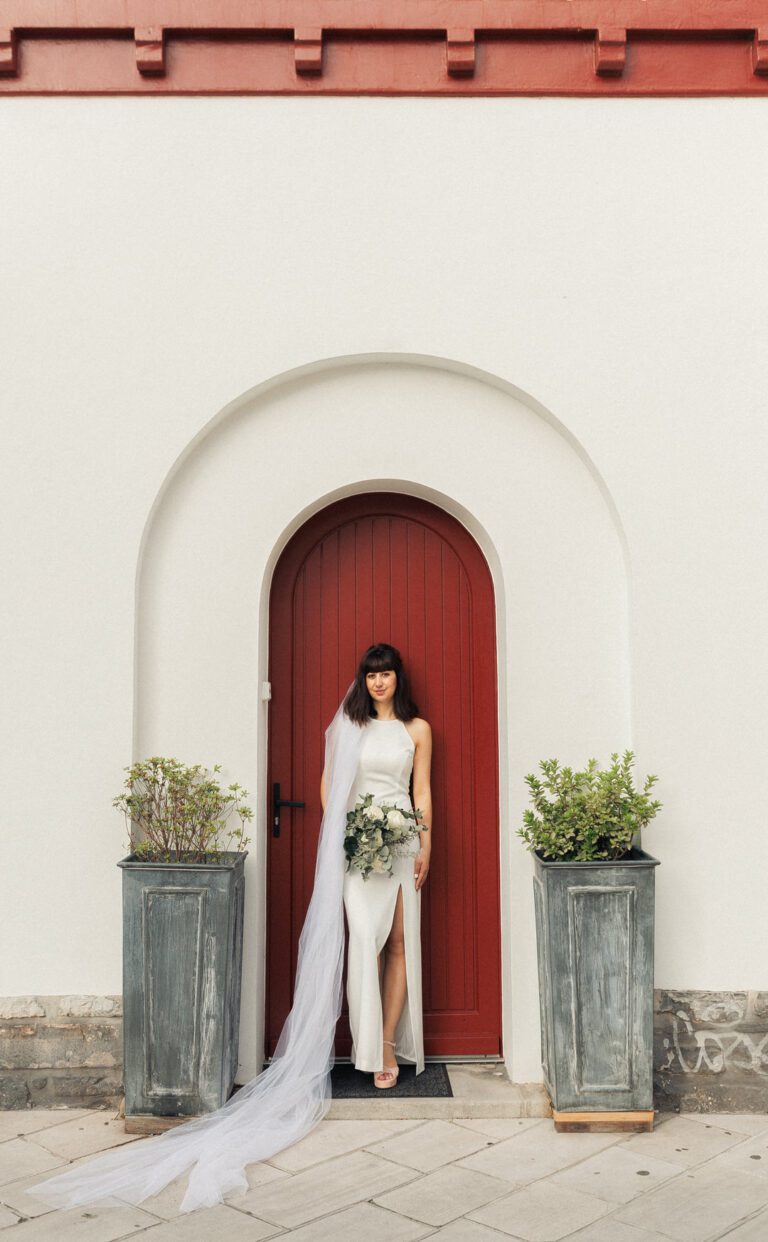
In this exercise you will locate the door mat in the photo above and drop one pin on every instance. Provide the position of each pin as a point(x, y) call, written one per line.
point(347, 1083)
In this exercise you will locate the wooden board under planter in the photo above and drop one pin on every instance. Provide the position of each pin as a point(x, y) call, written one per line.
point(603, 1122)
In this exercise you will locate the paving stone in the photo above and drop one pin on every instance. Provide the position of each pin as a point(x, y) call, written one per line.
point(336, 1138)
point(611, 1230)
point(737, 1123)
point(364, 1220)
point(698, 1206)
point(14, 1194)
point(207, 1224)
point(93, 1224)
point(616, 1174)
point(19, 1157)
point(466, 1230)
point(498, 1127)
point(167, 1203)
point(19, 1121)
point(753, 1230)
point(7, 1217)
point(430, 1145)
point(542, 1213)
point(683, 1142)
point(325, 1188)
point(536, 1153)
point(748, 1156)
point(443, 1196)
point(91, 1132)
point(17, 1196)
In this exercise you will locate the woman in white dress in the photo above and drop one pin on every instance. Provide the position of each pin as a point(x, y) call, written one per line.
point(384, 911)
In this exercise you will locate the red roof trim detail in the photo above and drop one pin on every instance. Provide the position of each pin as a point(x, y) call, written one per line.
point(384, 47)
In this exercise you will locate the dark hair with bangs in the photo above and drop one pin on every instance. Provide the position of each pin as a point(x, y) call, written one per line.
point(359, 705)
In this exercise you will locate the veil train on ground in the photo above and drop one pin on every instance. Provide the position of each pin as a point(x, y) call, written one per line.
point(288, 1098)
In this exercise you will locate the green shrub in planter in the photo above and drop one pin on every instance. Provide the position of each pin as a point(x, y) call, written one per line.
point(589, 815)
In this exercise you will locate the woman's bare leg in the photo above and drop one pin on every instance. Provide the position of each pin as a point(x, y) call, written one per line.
point(394, 979)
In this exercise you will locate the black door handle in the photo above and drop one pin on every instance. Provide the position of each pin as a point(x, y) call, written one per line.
point(277, 805)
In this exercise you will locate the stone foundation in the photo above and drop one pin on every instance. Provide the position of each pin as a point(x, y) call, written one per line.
point(61, 1050)
point(710, 1051)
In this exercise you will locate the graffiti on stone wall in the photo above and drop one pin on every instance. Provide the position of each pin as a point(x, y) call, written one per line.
point(715, 1032)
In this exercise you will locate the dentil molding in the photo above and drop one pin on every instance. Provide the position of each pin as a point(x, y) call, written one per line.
point(384, 47)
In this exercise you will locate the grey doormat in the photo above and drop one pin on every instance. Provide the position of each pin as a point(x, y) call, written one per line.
point(347, 1083)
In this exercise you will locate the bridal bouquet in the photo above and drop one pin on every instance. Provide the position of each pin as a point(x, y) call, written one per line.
point(376, 833)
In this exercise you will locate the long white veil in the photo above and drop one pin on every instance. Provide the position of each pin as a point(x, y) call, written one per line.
point(287, 1099)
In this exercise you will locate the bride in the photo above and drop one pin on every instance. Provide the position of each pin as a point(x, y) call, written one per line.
point(288, 1098)
point(384, 911)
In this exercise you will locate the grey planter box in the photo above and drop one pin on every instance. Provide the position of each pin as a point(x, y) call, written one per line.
point(594, 932)
point(182, 961)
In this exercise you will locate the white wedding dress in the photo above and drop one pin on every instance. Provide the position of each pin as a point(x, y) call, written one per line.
point(384, 769)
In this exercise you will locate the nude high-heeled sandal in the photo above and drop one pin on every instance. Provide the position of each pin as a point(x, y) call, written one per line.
point(392, 1071)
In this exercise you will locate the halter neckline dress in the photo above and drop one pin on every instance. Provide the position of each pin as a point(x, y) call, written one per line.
point(384, 769)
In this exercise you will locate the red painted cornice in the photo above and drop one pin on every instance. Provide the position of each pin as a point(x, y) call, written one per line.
point(384, 47)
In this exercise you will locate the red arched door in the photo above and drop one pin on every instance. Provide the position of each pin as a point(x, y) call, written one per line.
point(391, 568)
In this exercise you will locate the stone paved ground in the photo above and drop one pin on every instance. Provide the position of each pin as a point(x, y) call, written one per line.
point(696, 1178)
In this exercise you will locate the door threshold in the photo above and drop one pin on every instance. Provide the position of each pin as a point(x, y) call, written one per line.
point(455, 1059)
point(481, 1089)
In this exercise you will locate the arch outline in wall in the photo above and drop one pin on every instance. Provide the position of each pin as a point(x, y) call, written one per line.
point(320, 366)
point(248, 404)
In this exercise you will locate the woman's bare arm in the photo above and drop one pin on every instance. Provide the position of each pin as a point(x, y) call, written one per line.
point(422, 794)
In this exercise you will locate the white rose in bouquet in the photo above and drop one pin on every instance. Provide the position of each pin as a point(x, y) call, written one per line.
point(397, 820)
point(374, 812)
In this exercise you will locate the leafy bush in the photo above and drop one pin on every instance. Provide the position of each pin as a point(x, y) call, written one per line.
point(586, 816)
point(179, 814)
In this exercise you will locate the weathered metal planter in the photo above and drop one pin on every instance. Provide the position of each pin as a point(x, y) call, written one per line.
point(182, 961)
point(594, 932)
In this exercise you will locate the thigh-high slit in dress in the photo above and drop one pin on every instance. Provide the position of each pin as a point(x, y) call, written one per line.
point(386, 763)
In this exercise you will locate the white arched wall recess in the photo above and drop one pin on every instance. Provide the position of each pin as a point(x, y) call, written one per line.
point(453, 435)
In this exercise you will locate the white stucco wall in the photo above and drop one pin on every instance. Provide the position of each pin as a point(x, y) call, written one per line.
point(597, 258)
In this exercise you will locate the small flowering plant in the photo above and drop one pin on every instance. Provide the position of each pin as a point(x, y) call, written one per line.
point(179, 814)
point(377, 833)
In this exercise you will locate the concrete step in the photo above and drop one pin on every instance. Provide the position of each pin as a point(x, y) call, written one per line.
point(480, 1089)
